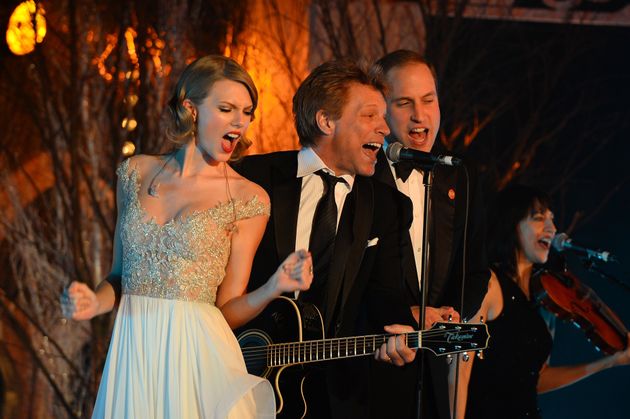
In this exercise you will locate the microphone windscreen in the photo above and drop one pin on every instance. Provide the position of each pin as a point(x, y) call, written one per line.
point(559, 240)
point(393, 151)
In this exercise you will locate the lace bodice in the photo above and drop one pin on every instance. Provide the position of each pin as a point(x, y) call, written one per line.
point(184, 259)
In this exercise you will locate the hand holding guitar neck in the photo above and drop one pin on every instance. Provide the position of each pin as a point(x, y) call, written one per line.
point(292, 334)
point(396, 350)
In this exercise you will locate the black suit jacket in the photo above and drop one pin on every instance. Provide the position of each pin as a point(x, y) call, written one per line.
point(446, 246)
point(364, 287)
point(446, 240)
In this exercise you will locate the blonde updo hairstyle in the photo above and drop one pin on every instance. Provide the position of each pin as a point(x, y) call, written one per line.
point(194, 84)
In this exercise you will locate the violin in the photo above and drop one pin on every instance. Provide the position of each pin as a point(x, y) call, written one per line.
point(564, 295)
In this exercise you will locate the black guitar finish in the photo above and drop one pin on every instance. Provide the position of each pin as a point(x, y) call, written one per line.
point(290, 333)
point(283, 320)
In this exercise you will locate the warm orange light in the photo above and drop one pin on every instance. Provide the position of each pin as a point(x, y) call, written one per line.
point(130, 36)
point(131, 100)
point(129, 124)
point(100, 60)
point(228, 41)
point(22, 35)
point(155, 45)
point(128, 148)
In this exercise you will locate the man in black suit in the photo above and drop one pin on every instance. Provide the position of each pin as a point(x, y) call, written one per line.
point(413, 116)
point(339, 116)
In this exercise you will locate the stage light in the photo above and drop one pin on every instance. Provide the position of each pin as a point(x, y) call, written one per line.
point(27, 27)
point(128, 149)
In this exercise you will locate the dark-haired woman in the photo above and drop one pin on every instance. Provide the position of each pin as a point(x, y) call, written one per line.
point(515, 367)
point(187, 231)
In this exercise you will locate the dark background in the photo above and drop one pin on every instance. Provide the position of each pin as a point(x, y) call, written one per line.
point(598, 75)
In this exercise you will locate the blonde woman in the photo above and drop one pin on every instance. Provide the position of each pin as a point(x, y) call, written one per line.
point(187, 231)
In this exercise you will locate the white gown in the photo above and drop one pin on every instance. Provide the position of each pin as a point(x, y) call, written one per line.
point(172, 354)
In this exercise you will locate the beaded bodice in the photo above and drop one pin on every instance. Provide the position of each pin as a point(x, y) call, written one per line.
point(183, 259)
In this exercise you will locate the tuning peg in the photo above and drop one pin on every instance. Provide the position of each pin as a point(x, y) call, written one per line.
point(449, 359)
point(480, 354)
point(465, 356)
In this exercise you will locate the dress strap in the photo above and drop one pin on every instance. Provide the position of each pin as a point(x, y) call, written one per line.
point(123, 169)
point(250, 208)
point(127, 180)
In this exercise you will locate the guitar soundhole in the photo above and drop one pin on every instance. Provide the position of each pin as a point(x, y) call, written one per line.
point(254, 346)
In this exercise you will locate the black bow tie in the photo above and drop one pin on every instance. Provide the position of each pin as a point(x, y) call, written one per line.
point(404, 168)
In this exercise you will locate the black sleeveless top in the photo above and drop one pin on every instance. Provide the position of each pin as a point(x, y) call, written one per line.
point(503, 384)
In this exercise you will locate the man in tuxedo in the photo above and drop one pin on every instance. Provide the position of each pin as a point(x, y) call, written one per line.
point(339, 117)
point(413, 116)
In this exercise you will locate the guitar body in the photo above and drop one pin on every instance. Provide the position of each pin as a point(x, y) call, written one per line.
point(283, 320)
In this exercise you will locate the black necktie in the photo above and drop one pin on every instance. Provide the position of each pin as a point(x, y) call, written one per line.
point(322, 240)
point(404, 168)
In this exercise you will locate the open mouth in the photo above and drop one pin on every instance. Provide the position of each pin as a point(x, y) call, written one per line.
point(371, 149)
point(373, 146)
point(419, 134)
point(232, 136)
point(229, 141)
point(545, 242)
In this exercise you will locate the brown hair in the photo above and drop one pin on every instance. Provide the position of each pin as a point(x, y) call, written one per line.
point(397, 59)
point(510, 207)
point(194, 84)
point(326, 88)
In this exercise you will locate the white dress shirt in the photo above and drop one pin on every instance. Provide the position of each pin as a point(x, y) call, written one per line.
point(312, 189)
point(414, 189)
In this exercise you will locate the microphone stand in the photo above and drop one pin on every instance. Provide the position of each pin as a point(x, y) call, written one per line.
point(427, 181)
point(591, 265)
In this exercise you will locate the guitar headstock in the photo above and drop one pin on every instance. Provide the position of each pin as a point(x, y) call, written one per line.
point(451, 338)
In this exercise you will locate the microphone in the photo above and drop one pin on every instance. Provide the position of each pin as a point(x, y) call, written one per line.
point(562, 242)
point(396, 152)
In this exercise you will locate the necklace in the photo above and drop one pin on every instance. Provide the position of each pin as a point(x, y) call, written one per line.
point(153, 185)
point(231, 227)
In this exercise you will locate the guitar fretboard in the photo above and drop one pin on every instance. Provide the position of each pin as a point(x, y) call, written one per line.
point(328, 349)
point(441, 341)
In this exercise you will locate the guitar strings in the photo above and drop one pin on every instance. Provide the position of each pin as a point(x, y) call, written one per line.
point(411, 337)
point(341, 347)
point(304, 359)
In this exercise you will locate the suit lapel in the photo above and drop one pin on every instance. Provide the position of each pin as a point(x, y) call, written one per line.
point(352, 236)
point(362, 220)
point(285, 201)
point(384, 175)
point(382, 172)
point(442, 229)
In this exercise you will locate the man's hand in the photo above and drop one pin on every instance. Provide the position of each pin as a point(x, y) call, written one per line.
point(433, 315)
point(395, 350)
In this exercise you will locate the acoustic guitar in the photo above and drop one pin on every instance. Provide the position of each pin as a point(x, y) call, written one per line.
point(290, 332)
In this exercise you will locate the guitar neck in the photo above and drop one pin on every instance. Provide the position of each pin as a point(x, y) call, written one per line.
point(281, 354)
